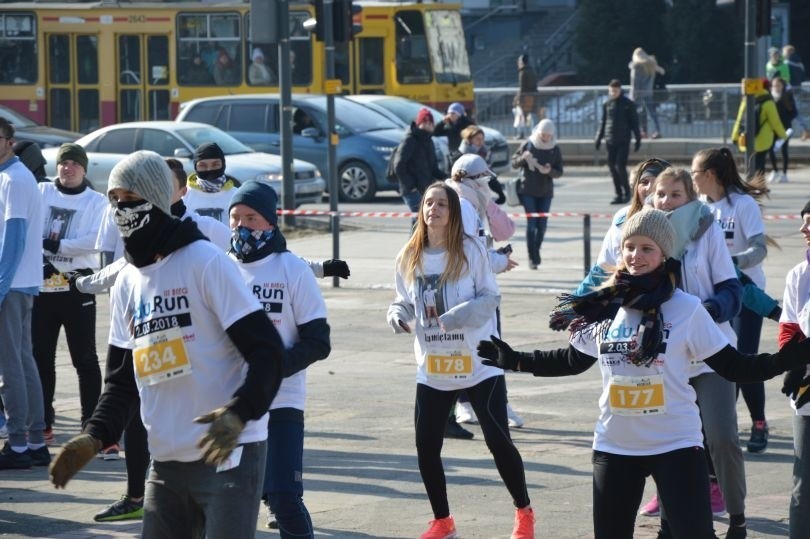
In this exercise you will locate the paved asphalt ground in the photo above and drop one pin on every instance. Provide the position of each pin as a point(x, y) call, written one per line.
point(361, 476)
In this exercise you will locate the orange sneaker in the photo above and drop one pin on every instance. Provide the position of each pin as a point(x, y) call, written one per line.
point(441, 528)
point(524, 524)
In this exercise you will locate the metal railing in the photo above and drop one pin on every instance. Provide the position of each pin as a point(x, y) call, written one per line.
point(684, 110)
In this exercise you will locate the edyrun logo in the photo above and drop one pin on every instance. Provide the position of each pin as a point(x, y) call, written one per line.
point(160, 305)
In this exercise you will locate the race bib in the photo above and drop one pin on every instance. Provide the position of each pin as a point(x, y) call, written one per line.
point(454, 365)
point(55, 283)
point(637, 395)
point(160, 356)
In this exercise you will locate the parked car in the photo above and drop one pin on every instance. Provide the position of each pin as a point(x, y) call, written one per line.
point(107, 146)
point(405, 109)
point(26, 129)
point(367, 138)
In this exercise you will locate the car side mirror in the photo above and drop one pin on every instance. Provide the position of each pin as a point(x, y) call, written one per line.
point(182, 153)
point(311, 132)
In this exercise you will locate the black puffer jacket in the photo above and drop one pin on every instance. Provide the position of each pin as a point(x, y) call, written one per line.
point(619, 121)
point(452, 131)
point(415, 161)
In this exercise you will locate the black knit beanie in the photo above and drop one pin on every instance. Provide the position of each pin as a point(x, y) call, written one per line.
point(259, 196)
point(209, 150)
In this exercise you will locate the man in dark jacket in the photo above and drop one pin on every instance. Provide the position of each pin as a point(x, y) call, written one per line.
point(455, 121)
point(619, 121)
point(415, 160)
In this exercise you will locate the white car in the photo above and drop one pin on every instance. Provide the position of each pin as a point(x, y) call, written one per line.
point(105, 147)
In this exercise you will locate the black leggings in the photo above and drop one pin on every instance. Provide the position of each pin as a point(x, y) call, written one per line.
point(785, 157)
point(488, 399)
point(683, 489)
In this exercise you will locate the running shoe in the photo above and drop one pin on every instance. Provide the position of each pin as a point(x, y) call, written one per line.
point(454, 430)
point(40, 457)
point(50, 439)
point(524, 524)
point(111, 452)
point(736, 532)
point(716, 496)
point(759, 437)
point(272, 523)
point(441, 528)
point(11, 460)
point(783, 178)
point(772, 176)
point(465, 413)
point(123, 509)
point(651, 509)
point(515, 421)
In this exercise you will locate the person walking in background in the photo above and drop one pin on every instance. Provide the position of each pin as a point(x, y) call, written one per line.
point(439, 255)
point(776, 66)
point(473, 141)
point(768, 128)
point(20, 280)
point(734, 203)
point(797, 76)
point(414, 160)
point(540, 162)
point(643, 69)
point(795, 320)
point(619, 122)
point(454, 122)
point(525, 101)
point(786, 107)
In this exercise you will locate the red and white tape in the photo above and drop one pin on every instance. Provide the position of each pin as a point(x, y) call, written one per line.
point(398, 214)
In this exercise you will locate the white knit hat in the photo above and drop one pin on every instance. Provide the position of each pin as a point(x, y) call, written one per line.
point(655, 225)
point(146, 174)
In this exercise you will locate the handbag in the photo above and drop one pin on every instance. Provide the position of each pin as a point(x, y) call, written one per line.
point(512, 189)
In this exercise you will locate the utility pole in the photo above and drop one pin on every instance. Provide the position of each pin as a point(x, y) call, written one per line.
point(285, 87)
point(749, 86)
point(332, 87)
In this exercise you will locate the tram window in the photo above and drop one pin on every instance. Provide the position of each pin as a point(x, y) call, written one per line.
point(209, 49)
point(87, 59)
point(371, 60)
point(342, 62)
point(18, 53)
point(262, 65)
point(448, 47)
point(58, 59)
point(413, 65)
point(129, 59)
point(301, 63)
point(157, 51)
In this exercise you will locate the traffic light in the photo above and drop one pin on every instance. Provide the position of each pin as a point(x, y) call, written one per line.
point(319, 18)
point(344, 14)
point(763, 18)
point(264, 19)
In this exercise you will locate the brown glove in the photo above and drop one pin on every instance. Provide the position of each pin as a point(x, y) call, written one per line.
point(222, 436)
point(74, 456)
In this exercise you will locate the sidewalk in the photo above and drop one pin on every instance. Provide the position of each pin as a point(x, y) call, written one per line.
point(361, 476)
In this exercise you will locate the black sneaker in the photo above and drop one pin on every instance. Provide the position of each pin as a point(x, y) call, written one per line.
point(759, 437)
point(617, 200)
point(40, 457)
point(123, 509)
point(454, 430)
point(11, 460)
point(737, 532)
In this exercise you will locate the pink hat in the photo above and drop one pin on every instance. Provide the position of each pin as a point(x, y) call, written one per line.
point(423, 115)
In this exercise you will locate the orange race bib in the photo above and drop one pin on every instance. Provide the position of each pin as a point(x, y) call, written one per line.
point(55, 283)
point(160, 356)
point(637, 395)
point(455, 365)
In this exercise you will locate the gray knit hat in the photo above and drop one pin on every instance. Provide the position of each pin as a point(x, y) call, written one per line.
point(146, 174)
point(655, 225)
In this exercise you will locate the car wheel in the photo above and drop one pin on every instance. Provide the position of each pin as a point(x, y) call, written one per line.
point(356, 182)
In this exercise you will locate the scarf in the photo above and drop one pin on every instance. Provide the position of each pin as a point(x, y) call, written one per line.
point(690, 221)
point(213, 180)
point(250, 245)
point(160, 236)
point(594, 312)
point(178, 209)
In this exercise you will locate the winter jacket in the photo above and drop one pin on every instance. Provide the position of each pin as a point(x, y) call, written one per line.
point(619, 121)
point(415, 161)
point(534, 182)
point(786, 107)
point(769, 124)
point(452, 131)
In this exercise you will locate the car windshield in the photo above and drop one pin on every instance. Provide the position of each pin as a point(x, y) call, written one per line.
point(353, 117)
point(201, 135)
point(406, 109)
point(16, 118)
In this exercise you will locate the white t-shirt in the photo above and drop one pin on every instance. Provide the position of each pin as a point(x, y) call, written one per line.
point(20, 199)
point(214, 205)
point(796, 307)
point(610, 252)
point(109, 238)
point(74, 220)
point(290, 296)
point(216, 231)
point(740, 219)
point(651, 410)
point(173, 315)
point(447, 360)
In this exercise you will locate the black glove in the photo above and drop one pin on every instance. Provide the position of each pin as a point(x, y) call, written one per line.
point(796, 385)
point(73, 276)
point(598, 143)
point(637, 146)
point(48, 270)
point(794, 354)
point(775, 314)
point(497, 188)
point(336, 268)
point(499, 354)
point(50, 245)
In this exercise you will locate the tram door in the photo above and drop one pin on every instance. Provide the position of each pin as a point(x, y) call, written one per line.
point(142, 68)
point(369, 65)
point(73, 81)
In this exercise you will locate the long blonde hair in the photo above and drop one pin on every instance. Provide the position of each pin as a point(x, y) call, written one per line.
point(409, 258)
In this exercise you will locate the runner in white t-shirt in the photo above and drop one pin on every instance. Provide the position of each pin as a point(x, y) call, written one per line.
point(287, 290)
point(193, 343)
point(441, 257)
point(649, 423)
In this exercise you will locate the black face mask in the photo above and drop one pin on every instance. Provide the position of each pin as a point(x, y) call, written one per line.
point(141, 225)
point(211, 175)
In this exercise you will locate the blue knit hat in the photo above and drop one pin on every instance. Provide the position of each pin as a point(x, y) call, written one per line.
point(458, 108)
point(259, 196)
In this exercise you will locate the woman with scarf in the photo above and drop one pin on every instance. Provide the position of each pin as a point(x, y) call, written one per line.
point(440, 257)
point(646, 333)
point(540, 162)
point(734, 203)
